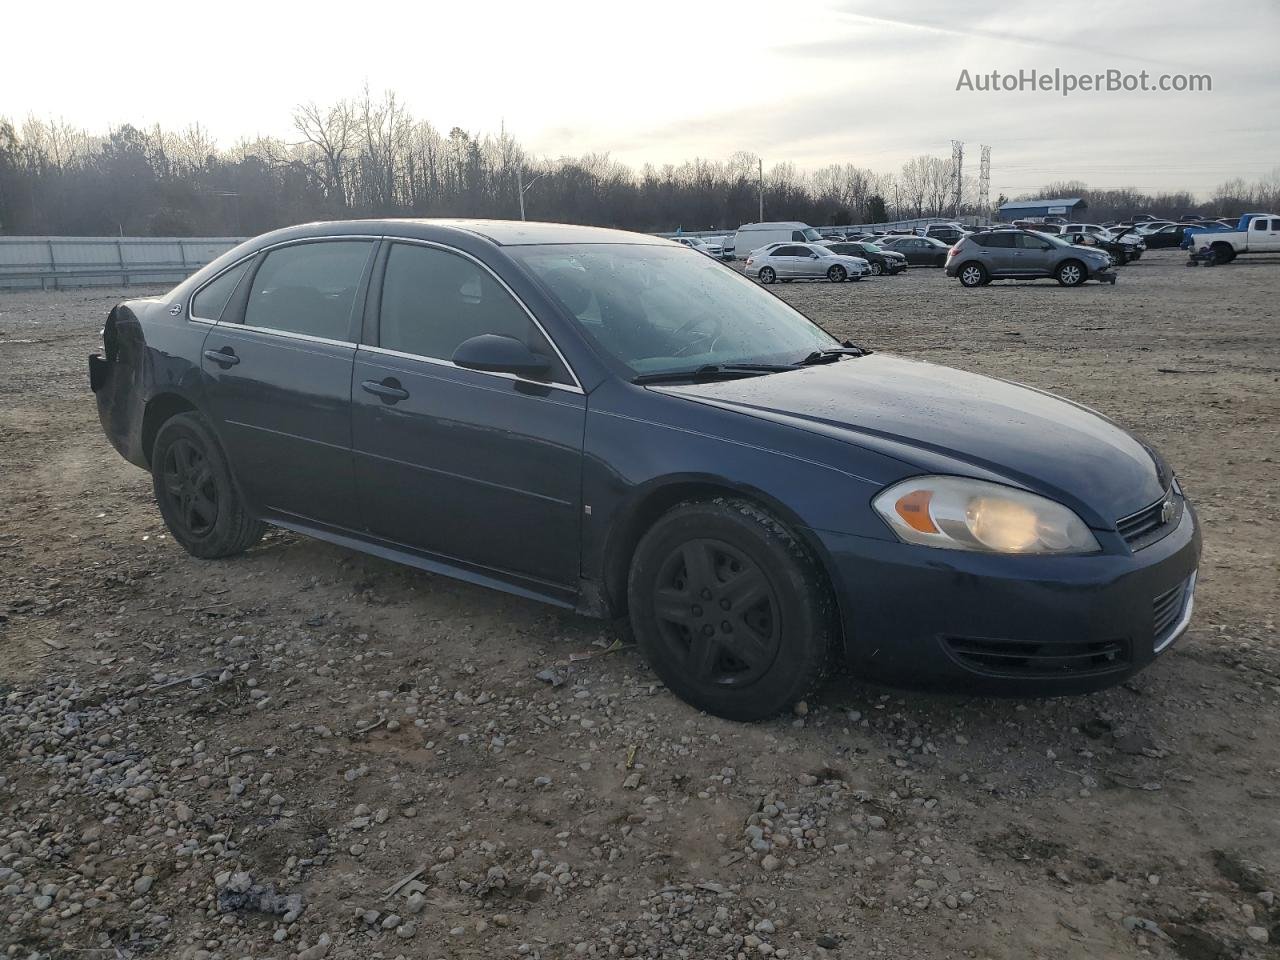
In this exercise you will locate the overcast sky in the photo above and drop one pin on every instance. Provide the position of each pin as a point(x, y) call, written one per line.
point(810, 82)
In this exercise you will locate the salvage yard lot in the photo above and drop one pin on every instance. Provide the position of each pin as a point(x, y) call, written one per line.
point(176, 733)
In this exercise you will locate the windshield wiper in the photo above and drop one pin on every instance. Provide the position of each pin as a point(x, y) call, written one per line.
point(713, 371)
point(831, 354)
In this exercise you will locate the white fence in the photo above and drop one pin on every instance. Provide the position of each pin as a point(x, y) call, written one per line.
point(53, 262)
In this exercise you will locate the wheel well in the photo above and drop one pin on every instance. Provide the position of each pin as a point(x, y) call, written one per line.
point(1079, 263)
point(623, 542)
point(159, 409)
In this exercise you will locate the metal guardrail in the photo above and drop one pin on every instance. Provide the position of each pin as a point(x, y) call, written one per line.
point(54, 262)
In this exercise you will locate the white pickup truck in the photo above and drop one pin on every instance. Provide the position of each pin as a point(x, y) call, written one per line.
point(1255, 233)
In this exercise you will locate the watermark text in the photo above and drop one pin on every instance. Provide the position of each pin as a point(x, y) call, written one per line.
point(1062, 82)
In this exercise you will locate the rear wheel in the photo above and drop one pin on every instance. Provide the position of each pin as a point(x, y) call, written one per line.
point(972, 275)
point(729, 609)
point(197, 497)
point(767, 275)
point(1071, 273)
point(837, 274)
point(877, 269)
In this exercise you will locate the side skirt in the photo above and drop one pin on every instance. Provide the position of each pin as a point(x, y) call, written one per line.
point(532, 589)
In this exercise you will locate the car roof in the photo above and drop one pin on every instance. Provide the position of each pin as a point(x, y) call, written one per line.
point(502, 232)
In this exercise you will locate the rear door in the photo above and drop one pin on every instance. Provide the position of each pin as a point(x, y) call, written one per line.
point(279, 366)
point(785, 260)
point(483, 469)
point(999, 253)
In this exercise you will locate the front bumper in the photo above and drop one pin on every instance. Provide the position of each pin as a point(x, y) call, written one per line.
point(1021, 626)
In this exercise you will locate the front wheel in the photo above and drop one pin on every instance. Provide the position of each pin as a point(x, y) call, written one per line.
point(972, 275)
point(197, 498)
point(730, 609)
point(876, 269)
point(1071, 274)
point(837, 274)
point(767, 275)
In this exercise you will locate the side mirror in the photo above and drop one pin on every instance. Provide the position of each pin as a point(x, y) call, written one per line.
point(813, 256)
point(492, 353)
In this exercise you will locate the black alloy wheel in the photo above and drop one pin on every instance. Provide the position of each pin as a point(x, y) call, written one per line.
point(730, 609)
point(195, 492)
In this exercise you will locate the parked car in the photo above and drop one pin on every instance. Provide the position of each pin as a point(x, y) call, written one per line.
point(1169, 235)
point(606, 422)
point(882, 261)
point(921, 251)
point(1121, 253)
point(697, 243)
point(947, 233)
point(805, 261)
point(1051, 228)
point(1136, 244)
point(1020, 254)
point(1254, 233)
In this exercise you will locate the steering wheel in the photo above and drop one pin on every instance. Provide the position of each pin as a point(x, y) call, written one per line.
point(696, 321)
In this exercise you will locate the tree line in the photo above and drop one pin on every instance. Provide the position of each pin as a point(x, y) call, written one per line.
point(367, 156)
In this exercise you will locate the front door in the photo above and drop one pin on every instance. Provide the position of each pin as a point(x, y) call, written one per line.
point(278, 365)
point(484, 469)
point(1031, 255)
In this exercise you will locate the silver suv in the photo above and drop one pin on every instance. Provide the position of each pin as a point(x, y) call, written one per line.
point(1021, 254)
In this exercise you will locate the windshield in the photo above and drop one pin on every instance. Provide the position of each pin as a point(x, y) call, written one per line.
point(870, 247)
point(659, 309)
point(811, 234)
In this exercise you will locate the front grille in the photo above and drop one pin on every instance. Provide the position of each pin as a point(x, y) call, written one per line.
point(1143, 528)
point(1032, 658)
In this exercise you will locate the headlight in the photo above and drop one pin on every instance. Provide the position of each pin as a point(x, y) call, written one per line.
point(956, 513)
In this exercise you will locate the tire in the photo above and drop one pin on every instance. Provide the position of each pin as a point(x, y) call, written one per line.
point(877, 269)
point(767, 275)
point(741, 658)
point(972, 275)
point(197, 497)
point(1222, 253)
point(837, 274)
point(1071, 273)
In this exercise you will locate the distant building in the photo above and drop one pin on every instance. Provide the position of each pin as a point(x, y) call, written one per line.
point(1072, 208)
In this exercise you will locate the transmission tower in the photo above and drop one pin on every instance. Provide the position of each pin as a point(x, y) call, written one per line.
point(957, 171)
point(984, 182)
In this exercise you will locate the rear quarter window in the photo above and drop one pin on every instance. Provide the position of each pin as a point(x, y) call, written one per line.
point(213, 297)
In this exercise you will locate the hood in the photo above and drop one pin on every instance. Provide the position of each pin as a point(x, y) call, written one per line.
point(938, 419)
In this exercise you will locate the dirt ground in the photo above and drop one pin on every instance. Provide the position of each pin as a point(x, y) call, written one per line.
point(243, 758)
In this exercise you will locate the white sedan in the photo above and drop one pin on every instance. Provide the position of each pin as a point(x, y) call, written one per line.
point(807, 261)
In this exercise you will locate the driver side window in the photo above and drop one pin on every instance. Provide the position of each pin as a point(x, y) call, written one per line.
point(433, 300)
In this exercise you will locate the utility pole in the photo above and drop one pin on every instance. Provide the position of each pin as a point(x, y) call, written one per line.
point(957, 170)
point(984, 183)
point(760, 160)
point(521, 186)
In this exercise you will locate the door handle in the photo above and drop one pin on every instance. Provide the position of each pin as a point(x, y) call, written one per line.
point(389, 389)
point(226, 357)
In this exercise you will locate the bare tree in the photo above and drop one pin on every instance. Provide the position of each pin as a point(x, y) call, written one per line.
point(332, 132)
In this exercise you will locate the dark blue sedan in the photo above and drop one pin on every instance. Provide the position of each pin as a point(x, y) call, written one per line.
point(615, 424)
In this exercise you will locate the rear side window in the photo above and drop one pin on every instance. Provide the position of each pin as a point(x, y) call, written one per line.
point(213, 297)
point(309, 288)
point(433, 300)
point(1029, 241)
point(1004, 239)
